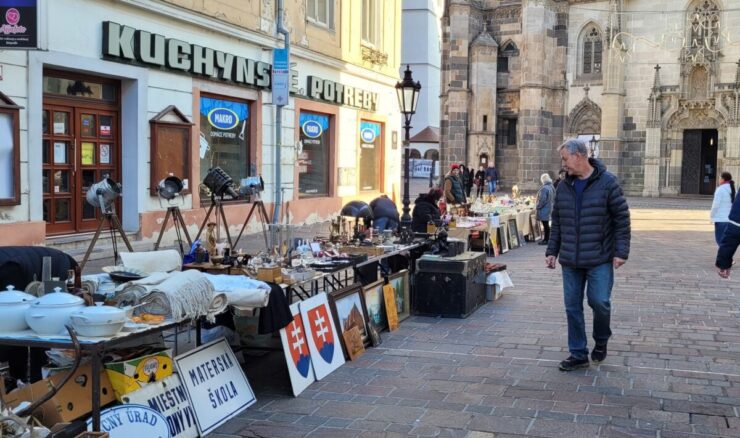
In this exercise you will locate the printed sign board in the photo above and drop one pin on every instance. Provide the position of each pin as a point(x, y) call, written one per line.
point(280, 76)
point(127, 421)
point(215, 383)
point(295, 348)
point(323, 339)
point(168, 397)
point(18, 24)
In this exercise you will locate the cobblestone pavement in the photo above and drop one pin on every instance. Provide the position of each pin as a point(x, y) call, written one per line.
point(672, 370)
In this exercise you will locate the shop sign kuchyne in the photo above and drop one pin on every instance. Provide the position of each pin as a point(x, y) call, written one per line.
point(18, 24)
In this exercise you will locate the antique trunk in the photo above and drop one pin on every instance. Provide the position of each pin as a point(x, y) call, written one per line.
point(446, 286)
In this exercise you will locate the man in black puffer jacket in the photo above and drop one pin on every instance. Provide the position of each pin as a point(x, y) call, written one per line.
point(591, 235)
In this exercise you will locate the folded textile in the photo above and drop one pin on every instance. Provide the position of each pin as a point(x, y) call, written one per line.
point(185, 294)
point(224, 283)
point(150, 280)
point(219, 303)
point(153, 261)
point(242, 297)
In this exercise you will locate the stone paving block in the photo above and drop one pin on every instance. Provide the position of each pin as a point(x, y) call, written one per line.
point(556, 429)
point(479, 409)
point(698, 408)
point(371, 425)
point(294, 406)
point(611, 431)
point(263, 429)
point(443, 418)
point(282, 417)
point(485, 389)
point(340, 423)
point(233, 426)
point(395, 414)
point(326, 432)
point(446, 406)
point(484, 423)
point(592, 419)
point(347, 410)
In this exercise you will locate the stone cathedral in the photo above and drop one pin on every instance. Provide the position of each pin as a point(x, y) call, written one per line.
point(652, 85)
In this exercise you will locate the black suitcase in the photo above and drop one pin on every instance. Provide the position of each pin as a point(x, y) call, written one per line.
point(445, 286)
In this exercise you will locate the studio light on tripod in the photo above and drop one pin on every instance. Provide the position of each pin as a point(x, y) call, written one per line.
point(103, 193)
point(170, 187)
point(220, 183)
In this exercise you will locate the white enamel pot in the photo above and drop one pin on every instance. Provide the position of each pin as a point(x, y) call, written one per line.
point(49, 314)
point(13, 305)
point(98, 321)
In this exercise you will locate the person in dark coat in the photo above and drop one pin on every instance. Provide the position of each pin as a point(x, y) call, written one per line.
point(453, 186)
point(591, 236)
point(491, 178)
point(19, 266)
point(545, 201)
point(480, 181)
point(426, 210)
point(385, 213)
point(730, 241)
point(470, 181)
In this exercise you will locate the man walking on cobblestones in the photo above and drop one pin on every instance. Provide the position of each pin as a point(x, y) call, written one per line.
point(591, 236)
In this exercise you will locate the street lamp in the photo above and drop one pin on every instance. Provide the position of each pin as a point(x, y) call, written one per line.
point(408, 97)
point(594, 143)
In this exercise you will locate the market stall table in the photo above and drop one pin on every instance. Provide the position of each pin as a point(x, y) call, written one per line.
point(93, 347)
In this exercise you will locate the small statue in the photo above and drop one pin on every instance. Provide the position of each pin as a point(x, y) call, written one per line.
point(211, 239)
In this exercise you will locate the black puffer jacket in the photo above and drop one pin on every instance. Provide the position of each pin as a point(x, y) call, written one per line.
point(602, 229)
point(424, 210)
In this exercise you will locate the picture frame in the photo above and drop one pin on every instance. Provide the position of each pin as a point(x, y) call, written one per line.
point(401, 283)
point(495, 242)
point(348, 310)
point(375, 305)
point(536, 228)
point(504, 239)
point(513, 234)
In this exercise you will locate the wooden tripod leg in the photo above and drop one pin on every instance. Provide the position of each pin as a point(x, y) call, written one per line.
point(246, 221)
point(164, 227)
point(117, 224)
point(178, 218)
point(203, 225)
point(226, 225)
point(92, 242)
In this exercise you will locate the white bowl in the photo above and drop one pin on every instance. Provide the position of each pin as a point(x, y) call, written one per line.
point(102, 330)
point(49, 314)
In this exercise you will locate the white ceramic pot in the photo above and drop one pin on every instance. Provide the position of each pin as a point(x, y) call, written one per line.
point(49, 314)
point(98, 321)
point(13, 305)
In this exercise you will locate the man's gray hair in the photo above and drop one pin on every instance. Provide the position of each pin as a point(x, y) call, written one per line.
point(575, 146)
point(545, 178)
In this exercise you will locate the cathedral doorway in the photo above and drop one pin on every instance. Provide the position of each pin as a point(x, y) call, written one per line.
point(699, 162)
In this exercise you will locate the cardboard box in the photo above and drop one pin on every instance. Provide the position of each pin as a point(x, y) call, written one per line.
point(274, 274)
point(74, 400)
point(132, 374)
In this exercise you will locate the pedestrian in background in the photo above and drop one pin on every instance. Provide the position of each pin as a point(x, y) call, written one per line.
point(591, 236)
point(453, 186)
point(470, 181)
point(464, 177)
point(385, 213)
point(491, 178)
point(545, 201)
point(724, 196)
point(480, 181)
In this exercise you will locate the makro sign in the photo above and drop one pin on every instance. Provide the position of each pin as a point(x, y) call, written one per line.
point(124, 43)
point(223, 118)
point(312, 129)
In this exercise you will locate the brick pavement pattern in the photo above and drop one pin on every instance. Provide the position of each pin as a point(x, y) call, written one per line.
point(673, 368)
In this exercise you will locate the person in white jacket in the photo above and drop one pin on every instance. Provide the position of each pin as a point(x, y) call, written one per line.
point(724, 196)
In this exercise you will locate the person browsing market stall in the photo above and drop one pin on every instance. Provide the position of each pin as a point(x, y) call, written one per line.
point(426, 210)
point(591, 236)
point(385, 213)
point(453, 187)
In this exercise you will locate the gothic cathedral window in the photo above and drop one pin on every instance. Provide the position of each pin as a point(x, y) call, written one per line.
point(591, 52)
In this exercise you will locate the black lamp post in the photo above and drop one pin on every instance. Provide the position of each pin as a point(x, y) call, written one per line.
point(408, 97)
point(594, 143)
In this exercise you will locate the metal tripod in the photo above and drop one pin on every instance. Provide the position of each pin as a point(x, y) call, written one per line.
point(113, 225)
point(262, 213)
point(180, 227)
point(220, 218)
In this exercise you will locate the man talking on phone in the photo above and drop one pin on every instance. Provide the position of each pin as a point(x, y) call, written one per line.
point(591, 235)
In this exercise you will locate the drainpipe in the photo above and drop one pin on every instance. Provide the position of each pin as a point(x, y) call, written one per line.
point(279, 120)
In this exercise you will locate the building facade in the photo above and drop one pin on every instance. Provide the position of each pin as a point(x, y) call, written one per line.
point(656, 83)
point(138, 90)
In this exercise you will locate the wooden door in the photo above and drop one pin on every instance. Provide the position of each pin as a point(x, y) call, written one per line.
point(691, 162)
point(81, 147)
point(709, 162)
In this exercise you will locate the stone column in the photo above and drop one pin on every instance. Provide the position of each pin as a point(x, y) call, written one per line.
point(484, 56)
point(454, 99)
point(651, 185)
point(732, 152)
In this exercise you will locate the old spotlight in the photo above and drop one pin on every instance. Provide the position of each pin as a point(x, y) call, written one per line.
point(220, 183)
point(170, 187)
point(103, 193)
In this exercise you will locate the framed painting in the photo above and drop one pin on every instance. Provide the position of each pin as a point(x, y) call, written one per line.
point(375, 305)
point(504, 239)
point(513, 234)
point(400, 283)
point(348, 310)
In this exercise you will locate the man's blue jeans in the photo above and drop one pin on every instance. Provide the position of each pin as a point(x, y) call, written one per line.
point(597, 283)
point(384, 223)
point(491, 187)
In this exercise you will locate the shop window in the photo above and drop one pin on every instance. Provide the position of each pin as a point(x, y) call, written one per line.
point(371, 22)
point(77, 87)
point(224, 139)
point(170, 147)
point(371, 155)
point(10, 152)
point(313, 157)
point(321, 12)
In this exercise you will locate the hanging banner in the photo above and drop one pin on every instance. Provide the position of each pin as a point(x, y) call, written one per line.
point(215, 383)
point(18, 24)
